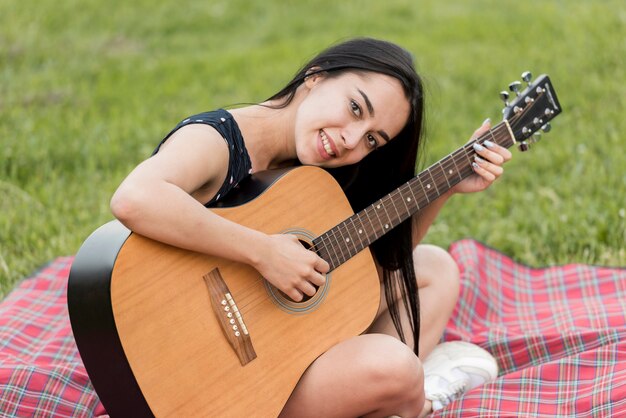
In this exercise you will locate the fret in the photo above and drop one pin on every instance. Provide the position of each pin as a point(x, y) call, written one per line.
point(405, 200)
point(321, 243)
point(493, 138)
point(509, 139)
point(464, 161)
point(433, 179)
point(423, 188)
point(469, 152)
point(369, 220)
point(392, 195)
point(331, 247)
point(345, 240)
point(370, 233)
point(456, 167)
point(376, 207)
point(334, 236)
point(386, 225)
point(349, 238)
point(358, 230)
point(340, 244)
point(355, 233)
point(445, 174)
point(417, 204)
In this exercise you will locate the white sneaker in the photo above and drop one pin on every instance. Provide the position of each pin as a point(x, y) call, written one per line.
point(455, 367)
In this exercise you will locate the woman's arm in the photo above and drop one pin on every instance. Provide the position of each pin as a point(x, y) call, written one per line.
point(162, 199)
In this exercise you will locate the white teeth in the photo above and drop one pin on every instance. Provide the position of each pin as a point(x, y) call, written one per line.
point(326, 144)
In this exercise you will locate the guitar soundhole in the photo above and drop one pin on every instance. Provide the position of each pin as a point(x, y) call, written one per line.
point(307, 303)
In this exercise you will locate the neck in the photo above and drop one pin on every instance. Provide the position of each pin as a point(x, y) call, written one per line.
point(268, 133)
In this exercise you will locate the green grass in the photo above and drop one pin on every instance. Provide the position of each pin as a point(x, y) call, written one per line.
point(88, 88)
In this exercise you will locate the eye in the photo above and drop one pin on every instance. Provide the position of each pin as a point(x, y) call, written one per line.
point(371, 141)
point(356, 109)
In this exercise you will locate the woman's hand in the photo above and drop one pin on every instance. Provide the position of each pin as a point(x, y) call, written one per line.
point(290, 267)
point(487, 164)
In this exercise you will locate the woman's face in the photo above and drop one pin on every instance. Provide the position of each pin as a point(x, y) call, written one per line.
point(343, 118)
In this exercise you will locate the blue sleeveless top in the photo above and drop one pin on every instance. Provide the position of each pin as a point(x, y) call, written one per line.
point(239, 165)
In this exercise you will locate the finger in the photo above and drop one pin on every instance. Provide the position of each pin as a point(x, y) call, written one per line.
point(295, 295)
point(483, 173)
point(487, 154)
point(321, 265)
point(494, 169)
point(505, 153)
point(318, 279)
point(307, 288)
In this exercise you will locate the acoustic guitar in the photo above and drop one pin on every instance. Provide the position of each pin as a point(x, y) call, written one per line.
point(168, 332)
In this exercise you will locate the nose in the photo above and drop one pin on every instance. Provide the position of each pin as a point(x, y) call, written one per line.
point(351, 135)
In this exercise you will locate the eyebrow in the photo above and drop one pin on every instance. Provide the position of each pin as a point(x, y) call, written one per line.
point(370, 109)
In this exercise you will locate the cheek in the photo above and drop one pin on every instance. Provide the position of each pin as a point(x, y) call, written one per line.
point(355, 156)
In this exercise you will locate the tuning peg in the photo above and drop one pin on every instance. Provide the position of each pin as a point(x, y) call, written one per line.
point(536, 137)
point(523, 146)
point(547, 127)
point(504, 95)
point(515, 87)
point(527, 76)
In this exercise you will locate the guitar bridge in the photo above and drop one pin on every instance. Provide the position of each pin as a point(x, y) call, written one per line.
point(229, 317)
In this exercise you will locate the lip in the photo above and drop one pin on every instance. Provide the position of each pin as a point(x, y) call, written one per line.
point(331, 142)
point(320, 148)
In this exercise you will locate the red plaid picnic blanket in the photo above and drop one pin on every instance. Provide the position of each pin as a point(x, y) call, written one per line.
point(41, 374)
point(558, 333)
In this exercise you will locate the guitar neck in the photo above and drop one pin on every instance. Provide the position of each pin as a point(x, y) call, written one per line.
point(345, 240)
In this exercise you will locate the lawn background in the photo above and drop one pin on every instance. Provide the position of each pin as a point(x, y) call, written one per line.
point(88, 88)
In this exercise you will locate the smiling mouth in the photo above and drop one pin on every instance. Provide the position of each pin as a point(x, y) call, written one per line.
point(326, 144)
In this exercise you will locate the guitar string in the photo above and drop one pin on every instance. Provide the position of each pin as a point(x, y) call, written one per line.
point(498, 133)
point(466, 151)
point(439, 177)
point(394, 200)
point(395, 197)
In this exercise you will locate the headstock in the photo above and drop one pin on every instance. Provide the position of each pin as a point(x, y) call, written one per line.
point(531, 109)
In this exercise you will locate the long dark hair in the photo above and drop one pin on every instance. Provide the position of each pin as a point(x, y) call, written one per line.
point(385, 169)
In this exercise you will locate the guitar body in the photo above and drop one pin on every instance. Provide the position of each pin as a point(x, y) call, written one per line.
point(148, 331)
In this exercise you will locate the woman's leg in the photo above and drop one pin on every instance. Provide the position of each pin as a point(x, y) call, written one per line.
point(438, 286)
point(371, 375)
point(375, 375)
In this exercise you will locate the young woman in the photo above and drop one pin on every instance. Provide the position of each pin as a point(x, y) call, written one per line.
point(357, 110)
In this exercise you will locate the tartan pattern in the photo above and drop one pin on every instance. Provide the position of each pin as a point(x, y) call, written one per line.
point(558, 333)
point(41, 374)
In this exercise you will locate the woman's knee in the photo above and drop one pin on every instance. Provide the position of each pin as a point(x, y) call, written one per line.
point(396, 371)
point(435, 267)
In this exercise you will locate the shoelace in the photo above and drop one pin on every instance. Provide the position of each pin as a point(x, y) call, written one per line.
point(454, 391)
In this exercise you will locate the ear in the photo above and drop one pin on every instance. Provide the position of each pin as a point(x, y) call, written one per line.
point(313, 76)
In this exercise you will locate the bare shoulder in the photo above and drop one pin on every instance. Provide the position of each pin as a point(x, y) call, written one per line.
point(195, 158)
point(195, 137)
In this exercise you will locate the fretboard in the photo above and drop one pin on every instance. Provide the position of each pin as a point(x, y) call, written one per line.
point(345, 240)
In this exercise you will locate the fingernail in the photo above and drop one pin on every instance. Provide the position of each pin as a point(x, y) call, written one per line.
point(474, 165)
point(478, 147)
point(478, 159)
point(488, 144)
point(488, 120)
